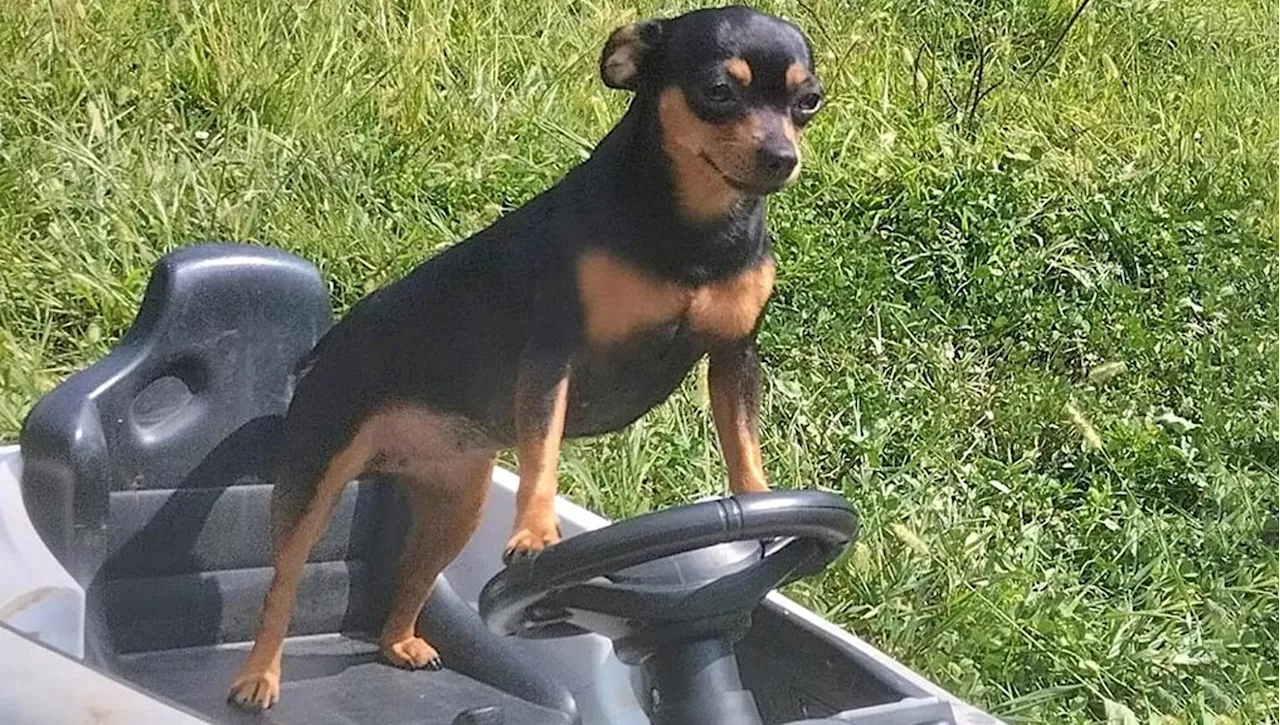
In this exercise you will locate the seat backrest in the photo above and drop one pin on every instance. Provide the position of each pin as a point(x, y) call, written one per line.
point(144, 473)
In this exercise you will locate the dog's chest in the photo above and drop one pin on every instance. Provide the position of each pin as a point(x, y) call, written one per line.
point(612, 386)
point(644, 334)
point(620, 301)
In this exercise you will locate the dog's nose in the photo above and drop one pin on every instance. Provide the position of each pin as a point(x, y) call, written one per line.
point(777, 160)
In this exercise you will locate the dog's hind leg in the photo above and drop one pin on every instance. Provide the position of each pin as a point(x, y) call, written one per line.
point(300, 512)
point(445, 498)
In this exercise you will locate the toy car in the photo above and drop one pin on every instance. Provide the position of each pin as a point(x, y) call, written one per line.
point(134, 556)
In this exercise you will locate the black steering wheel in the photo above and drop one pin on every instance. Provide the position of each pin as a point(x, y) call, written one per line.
point(674, 590)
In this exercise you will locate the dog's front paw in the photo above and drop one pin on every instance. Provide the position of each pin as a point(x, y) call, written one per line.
point(532, 538)
point(412, 653)
point(255, 690)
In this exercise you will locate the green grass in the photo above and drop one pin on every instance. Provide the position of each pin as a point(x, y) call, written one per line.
point(953, 275)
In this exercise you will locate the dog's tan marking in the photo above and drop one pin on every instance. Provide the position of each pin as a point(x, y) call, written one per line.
point(739, 70)
point(408, 439)
point(702, 155)
point(796, 76)
point(445, 498)
point(705, 156)
point(258, 684)
point(792, 134)
point(412, 442)
point(621, 300)
point(730, 309)
point(734, 389)
point(538, 436)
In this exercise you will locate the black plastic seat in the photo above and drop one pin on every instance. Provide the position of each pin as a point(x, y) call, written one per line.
point(144, 476)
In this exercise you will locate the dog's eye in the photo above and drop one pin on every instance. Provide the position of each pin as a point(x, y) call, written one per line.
point(719, 93)
point(808, 103)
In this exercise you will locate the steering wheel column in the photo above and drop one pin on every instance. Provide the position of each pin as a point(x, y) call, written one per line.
point(678, 619)
point(698, 682)
point(674, 591)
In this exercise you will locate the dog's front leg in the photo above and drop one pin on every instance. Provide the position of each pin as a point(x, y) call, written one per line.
point(541, 399)
point(733, 377)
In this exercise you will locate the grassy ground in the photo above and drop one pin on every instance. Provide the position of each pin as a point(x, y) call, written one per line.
point(1026, 316)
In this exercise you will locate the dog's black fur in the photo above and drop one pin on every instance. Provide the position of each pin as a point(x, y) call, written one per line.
point(578, 312)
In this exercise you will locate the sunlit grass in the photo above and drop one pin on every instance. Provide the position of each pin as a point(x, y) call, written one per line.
point(1039, 537)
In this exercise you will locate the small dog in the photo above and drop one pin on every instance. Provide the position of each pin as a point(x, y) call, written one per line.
point(571, 316)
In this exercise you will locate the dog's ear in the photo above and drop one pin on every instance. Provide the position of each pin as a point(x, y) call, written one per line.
point(626, 53)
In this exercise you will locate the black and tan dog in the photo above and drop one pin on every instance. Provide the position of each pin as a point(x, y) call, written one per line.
point(572, 316)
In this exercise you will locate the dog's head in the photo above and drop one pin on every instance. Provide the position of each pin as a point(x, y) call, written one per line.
point(732, 87)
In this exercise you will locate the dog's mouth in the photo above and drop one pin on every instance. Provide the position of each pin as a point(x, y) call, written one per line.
point(746, 187)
